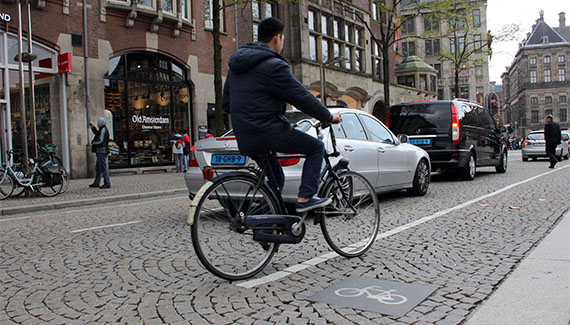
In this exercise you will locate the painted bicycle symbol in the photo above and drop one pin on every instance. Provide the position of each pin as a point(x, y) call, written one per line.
point(373, 292)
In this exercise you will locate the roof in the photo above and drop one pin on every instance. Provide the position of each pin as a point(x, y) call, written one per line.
point(413, 63)
point(564, 32)
point(542, 29)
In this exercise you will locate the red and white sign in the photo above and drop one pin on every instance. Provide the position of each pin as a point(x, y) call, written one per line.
point(64, 63)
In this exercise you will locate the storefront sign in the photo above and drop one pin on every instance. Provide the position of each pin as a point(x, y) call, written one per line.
point(5, 17)
point(142, 119)
point(64, 63)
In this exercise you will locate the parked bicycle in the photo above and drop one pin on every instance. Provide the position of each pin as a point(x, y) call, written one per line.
point(46, 158)
point(48, 180)
point(238, 220)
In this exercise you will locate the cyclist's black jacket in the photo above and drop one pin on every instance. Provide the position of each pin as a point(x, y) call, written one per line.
point(258, 85)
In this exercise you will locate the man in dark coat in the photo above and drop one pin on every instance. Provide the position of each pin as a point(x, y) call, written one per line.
point(258, 87)
point(553, 137)
point(100, 145)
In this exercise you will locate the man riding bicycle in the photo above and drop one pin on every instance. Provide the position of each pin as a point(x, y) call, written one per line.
point(258, 87)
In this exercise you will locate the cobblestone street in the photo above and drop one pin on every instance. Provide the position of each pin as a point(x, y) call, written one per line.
point(62, 267)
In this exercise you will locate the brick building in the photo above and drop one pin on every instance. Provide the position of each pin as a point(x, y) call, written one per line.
point(150, 68)
point(537, 82)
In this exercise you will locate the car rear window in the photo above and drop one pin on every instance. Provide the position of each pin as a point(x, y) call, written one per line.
point(535, 136)
point(420, 118)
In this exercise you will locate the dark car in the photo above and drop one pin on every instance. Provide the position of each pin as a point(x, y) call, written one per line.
point(457, 134)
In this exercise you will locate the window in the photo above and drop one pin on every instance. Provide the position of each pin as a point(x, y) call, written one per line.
point(336, 33)
point(532, 76)
point(312, 20)
point(457, 21)
point(432, 47)
point(561, 74)
point(378, 133)
point(423, 82)
point(374, 10)
point(168, 6)
point(313, 47)
point(408, 48)
point(548, 100)
point(359, 57)
point(546, 75)
point(562, 99)
point(409, 81)
point(432, 83)
point(546, 60)
point(534, 101)
point(476, 17)
point(460, 44)
point(147, 3)
point(324, 25)
point(186, 7)
point(325, 50)
point(534, 117)
point(352, 127)
point(376, 62)
point(437, 66)
point(477, 42)
point(209, 15)
point(561, 59)
point(255, 12)
point(408, 25)
point(532, 61)
point(431, 24)
point(547, 112)
point(563, 115)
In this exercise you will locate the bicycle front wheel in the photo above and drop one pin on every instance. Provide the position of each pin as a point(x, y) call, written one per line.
point(64, 174)
point(224, 247)
point(7, 184)
point(350, 223)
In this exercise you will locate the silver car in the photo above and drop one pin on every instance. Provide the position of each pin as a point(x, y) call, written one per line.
point(534, 146)
point(389, 163)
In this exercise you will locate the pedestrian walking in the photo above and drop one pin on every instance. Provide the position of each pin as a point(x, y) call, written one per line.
point(552, 137)
point(178, 152)
point(100, 146)
point(186, 149)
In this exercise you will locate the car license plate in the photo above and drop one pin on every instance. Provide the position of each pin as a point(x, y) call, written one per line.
point(228, 160)
point(419, 141)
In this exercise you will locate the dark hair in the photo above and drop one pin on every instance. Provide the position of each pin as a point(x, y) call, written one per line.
point(268, 28)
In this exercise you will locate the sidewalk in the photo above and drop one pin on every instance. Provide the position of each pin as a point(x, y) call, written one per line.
point(538, 290)
point(123, 187)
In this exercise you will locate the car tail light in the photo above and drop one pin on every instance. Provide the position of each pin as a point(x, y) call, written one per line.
point(208, 173)
point(289, 161)
point(388, 118)
point(526, 143)
point(569, 142)
point(192, 162)
point(455, 131)
point(225, 139)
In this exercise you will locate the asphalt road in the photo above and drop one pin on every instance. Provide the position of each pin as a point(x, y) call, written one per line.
point(133, 262)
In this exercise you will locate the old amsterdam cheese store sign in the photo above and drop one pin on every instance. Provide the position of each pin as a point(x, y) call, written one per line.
point(149, 122)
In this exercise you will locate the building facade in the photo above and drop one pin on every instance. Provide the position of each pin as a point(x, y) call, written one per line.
point(150, 69)
point(424, 37)
point(537, 82)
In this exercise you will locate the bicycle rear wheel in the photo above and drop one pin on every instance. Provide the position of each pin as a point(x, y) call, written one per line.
point(7, 184)
point(350, 223)
point(46, 189)
point(228, 251)
point(64, 174)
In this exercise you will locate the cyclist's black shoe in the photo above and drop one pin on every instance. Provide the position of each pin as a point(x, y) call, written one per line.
point(93, 185)
point(105, 186)
point(313, 203)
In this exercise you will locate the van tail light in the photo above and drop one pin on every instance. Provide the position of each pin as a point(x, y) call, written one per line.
point(192, 162)
point(455, 133)
point(208, 173)
point(388, 118)
point(289, 161)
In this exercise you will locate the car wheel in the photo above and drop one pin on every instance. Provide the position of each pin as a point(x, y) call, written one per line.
point(534, 158)
point(422, 179)
point(502, 166)
point(468, 172)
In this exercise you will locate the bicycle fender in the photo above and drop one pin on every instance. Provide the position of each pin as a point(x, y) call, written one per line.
point(195, 201)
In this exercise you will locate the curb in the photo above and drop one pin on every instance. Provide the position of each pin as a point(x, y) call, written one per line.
point(84, 202)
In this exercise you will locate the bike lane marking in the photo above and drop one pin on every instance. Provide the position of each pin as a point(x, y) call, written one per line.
point(107, 226)
point(326, 257)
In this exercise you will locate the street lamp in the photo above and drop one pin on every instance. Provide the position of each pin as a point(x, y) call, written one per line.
point(332, 61)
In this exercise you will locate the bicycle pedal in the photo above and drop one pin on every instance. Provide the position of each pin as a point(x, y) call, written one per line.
point(274, 228)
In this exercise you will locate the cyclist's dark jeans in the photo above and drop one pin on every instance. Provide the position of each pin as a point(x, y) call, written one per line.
point(298, 142)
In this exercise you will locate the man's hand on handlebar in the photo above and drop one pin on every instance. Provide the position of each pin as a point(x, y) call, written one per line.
point(335, 118)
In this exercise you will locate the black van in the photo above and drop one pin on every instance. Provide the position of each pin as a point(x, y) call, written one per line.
point(457, 134)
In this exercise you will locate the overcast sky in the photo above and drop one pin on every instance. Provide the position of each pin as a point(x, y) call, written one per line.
point(523, 13)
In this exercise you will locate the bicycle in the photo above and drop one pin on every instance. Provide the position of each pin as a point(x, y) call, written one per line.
point(387, 297)
point(48, 181)
point(238, 219)
point(52, 159)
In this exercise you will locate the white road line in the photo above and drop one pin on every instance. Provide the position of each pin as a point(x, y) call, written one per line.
point(13, 219)
point(106, 226)
point(324, 258)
